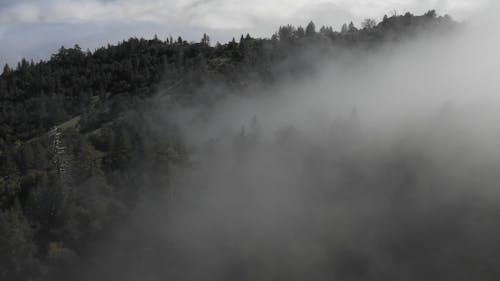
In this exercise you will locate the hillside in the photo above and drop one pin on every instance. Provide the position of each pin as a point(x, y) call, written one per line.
point(83, 139)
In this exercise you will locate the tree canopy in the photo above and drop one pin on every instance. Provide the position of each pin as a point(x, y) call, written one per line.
point(79, 147)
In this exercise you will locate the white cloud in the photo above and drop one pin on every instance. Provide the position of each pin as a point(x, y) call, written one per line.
point(219, 14)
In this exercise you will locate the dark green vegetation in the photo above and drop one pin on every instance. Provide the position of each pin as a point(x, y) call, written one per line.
point(80, 143)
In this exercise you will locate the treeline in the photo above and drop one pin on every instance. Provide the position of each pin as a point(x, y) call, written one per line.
point(79, 137)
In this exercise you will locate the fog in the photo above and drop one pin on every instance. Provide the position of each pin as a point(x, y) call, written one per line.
point(379, 165)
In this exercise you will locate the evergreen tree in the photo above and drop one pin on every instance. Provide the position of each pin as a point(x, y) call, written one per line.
point(310, 29)
point(351, 28)
point(6, 69)
point(344, 29)
point(205, 40)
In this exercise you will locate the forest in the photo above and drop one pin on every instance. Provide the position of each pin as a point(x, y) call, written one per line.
point(83, 140)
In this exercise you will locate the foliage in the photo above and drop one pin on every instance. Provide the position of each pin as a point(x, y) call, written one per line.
point(79, 145)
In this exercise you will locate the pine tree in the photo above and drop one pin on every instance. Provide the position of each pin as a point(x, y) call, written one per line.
point(310, 29)
point(6, 69)
point(205, 40)
point(352, 28)
point(344, 29)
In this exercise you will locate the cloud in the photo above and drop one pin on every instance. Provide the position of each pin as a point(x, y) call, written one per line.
point(92, 23)
point(221, 14)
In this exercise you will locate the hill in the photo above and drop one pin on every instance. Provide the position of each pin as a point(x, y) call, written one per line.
point(82, 139)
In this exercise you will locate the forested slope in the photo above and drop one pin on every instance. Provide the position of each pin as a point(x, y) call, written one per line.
point(80, 143)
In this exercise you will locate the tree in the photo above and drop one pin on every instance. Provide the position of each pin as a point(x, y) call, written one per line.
point(121, 150)
point(205, 40)
point(6, 69)
point(300, 32)
point(28, 157)
point(17, 250)
point(285, 33)
point(326, 30)
point(351, 28)
point(310, 29)
point(431, 14)
point(369, 24)
point(344, 29)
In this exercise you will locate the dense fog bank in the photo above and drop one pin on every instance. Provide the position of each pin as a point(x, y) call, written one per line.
point(382, 165)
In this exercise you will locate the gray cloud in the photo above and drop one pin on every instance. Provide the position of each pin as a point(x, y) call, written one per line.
point(91, 23)
point(225, 14)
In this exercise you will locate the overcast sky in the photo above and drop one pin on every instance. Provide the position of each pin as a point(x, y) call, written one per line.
point(37, 28)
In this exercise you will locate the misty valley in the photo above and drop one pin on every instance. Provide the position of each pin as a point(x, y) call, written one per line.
point(367, 153)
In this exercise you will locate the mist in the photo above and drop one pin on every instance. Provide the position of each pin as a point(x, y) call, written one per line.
point(377, 165)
